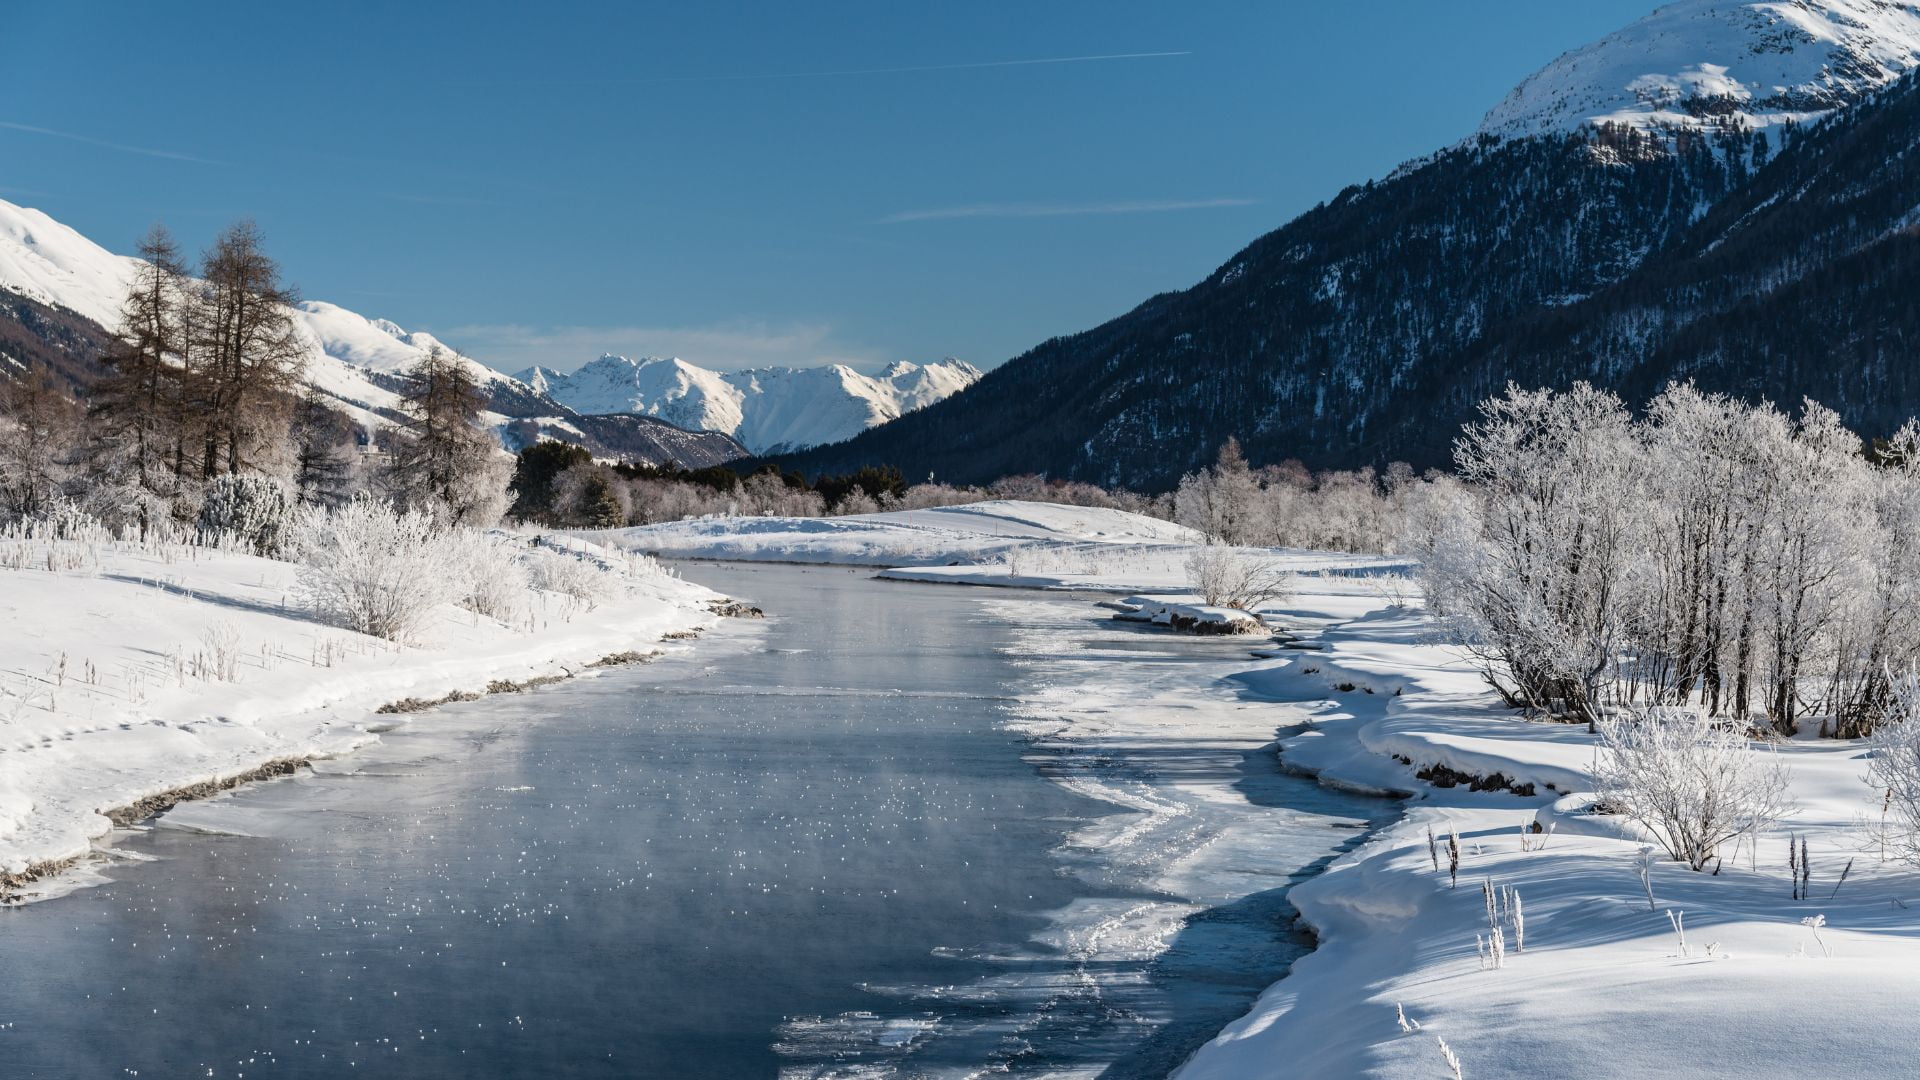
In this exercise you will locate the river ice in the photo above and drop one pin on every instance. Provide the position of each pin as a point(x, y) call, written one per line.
point(899, 830)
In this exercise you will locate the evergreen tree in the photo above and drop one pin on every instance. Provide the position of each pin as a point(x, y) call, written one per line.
point(598, 506)
point(322, 471)
point(534, 471)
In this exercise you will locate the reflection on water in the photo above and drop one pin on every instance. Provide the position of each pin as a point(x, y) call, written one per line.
point(810, 847)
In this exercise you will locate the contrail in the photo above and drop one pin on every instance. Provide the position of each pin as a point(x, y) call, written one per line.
point(90, 141)
point(1025, 210)
point(907, 70)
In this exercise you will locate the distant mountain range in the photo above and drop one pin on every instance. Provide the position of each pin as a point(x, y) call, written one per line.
point(768, 409)
point(60, 293)
point(1723, 191)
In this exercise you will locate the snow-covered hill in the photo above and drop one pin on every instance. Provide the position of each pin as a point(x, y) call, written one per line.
point(1701, 62)
point(765, 408)
point(353, 359)
point(44, 260)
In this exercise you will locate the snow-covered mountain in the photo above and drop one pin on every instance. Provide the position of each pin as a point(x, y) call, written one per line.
point(1699, 63)
point(355, 360)
point(1546, 250)
point(767, 409)
point(53, 264)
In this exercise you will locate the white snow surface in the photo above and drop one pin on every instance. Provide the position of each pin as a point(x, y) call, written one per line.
point(1602, 987)
point(102, 703)
point(1003, 542)
point(765, 408)
point(1755, 64)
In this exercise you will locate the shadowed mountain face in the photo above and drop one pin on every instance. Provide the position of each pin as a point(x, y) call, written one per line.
point(1777, 265)
point(1314, 342)
point(1679, 199)
point(36, 334)
point(1801, 284)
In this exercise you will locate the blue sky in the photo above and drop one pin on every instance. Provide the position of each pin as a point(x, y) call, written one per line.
point(744, 183)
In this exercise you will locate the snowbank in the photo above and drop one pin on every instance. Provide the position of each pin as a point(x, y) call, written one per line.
point(135, 673)
point(1197, 618)
point(1603, 986)
point(1004, 542)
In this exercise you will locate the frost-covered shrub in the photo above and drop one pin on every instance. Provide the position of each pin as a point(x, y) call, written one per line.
point(375, 569)
point(62, 519)
point(492, 575)
point(571, 575)
point(251, 511)
point(1894, 767)
point(1234, 578)
point(1691, 783)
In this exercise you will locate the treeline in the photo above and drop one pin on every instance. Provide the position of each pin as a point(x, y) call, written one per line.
point(1287, 505)
point(562, 485)
point(1233, 503)
point(1712, 554)
point(203, 396)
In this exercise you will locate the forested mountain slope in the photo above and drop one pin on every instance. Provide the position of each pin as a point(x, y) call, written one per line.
point(1680, 199)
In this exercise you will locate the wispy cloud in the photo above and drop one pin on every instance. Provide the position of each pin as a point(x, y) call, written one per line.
point(89, 140)
point(842, 72)
point(439, 200)
point(512, 346)
point(1035, 210)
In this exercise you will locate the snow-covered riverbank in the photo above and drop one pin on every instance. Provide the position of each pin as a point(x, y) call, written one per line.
point(1007, 543)
point(129, 673)
point(1385, 704)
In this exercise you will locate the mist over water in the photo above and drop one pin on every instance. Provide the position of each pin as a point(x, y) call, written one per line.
point(812, 847)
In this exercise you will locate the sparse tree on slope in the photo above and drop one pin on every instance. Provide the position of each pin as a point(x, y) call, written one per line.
point(40, 433)
point(139, 408)
point(445, 461)
point(249, 356)
point(322, 465)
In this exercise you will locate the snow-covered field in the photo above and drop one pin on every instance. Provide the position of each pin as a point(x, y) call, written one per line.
point(1603, 986)
point(1004, 542)
point(127, 672)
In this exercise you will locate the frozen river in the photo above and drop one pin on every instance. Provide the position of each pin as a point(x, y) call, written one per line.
point(818, 846)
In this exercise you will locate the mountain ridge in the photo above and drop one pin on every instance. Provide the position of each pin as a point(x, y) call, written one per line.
point(60, 293)
point(766, 408)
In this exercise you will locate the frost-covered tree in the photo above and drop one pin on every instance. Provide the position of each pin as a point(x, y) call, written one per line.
point(40, 436)
point(1539, 586)
point(445, 460)
point(1223, 501)
point(1714, 553)
point(1692, 783)
point(1893, 766)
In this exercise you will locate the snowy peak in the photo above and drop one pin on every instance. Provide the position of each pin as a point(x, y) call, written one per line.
point(50, 263)
point(1720, 63)
point(767, 408)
